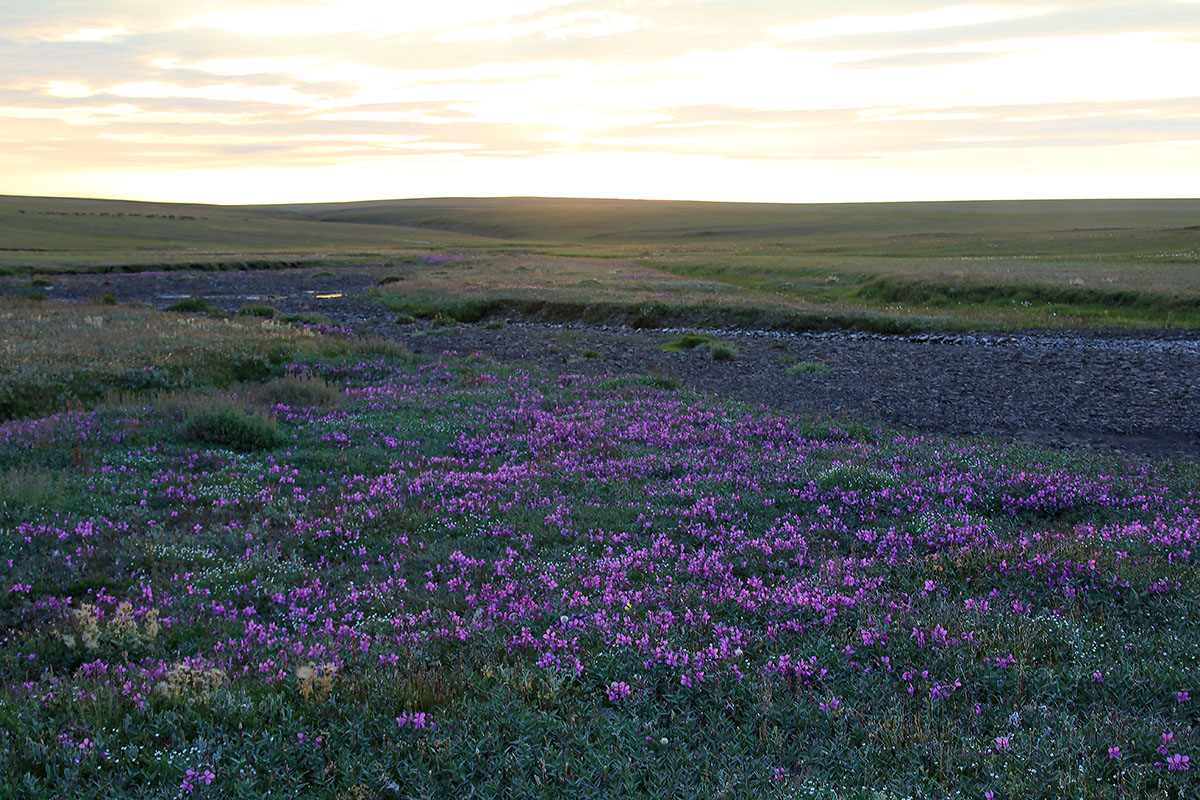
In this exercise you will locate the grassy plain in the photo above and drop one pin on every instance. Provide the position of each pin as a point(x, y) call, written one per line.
point(49, 234)
point(343, 573)
point(976, 264)
point(63, 356)
point(883, 266)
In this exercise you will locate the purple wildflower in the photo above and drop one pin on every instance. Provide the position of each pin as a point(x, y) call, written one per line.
point(618, 689)
point(418, 720)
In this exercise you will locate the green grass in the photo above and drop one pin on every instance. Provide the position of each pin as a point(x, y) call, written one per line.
point(224, 423)
point(46, 234)
point(689, 341)
point(260, 311)
point(883, 266)
point(722, 351)
point(63, 356)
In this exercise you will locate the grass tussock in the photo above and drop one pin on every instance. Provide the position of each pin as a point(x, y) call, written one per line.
point(307, 318)
point(225, 422)
point(194, 305)
point(60, 356)
point(688, 341)
point(722, 351)
point(260, 311)
point(382, 346)
point(31, 489)
point(808, 368)
point(296, 392)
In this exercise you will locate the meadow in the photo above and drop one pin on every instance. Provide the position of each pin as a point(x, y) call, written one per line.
point(320, 567)
point(889, 267)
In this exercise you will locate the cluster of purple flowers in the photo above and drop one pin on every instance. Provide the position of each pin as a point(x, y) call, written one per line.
point(417, 720)
point(192, 778)
point(617, 690)
point(705, 545)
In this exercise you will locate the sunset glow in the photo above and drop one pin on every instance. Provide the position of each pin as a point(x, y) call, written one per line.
point(262, 101)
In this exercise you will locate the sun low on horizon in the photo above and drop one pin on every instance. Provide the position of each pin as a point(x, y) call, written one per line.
point(276, 101)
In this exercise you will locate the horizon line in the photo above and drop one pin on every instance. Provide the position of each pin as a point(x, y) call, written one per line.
point(980, 200)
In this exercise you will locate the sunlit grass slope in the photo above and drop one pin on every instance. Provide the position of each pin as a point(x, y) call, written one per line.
point(1076, 226)
point(48, 233)
point(968, 264)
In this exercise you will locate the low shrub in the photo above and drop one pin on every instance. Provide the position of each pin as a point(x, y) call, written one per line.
point(297, 392)
point(224, 422)
point(664, 378)
point(27, 489)
point(381, 346)
point(722, 351)
point(307, 318)
point(808, 368)
point(648, 315)
point(689, 341)
point(260, 311)
point(193, 305)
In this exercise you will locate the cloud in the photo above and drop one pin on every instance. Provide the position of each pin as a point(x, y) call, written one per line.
point(308, 83)
point(1150, 16)
point(918, 59)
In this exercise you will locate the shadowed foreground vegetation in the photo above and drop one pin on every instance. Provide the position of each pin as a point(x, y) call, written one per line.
point(353, 575)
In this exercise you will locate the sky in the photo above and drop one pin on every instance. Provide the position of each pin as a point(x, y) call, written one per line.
point(264, 101)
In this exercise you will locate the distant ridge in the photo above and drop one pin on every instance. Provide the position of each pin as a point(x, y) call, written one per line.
point(56, 231)
point(583, 220)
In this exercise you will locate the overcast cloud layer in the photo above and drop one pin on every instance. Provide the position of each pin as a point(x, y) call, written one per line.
point(258, 101)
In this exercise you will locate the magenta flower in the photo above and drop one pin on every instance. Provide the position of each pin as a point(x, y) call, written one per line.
point(832, 705)
point(1003, 743)
point(1114, 751)
point(1178, 763)
point(1098, 676)
point(1182, 697)
point(618, 689)
point(418, 720)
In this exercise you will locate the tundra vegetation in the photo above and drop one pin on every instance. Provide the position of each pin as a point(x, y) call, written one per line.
point(245, 558)
point(885, 267)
